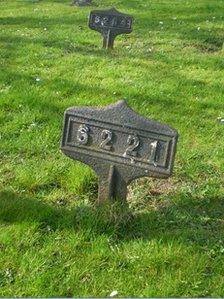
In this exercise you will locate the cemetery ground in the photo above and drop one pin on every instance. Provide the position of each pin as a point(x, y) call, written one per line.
point(53, 240)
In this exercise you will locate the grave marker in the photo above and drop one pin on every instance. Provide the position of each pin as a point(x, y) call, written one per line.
point(81, 2)
point(119, 145)
point(110, 23)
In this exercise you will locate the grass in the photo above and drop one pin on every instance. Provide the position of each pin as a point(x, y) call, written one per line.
point(53, 240)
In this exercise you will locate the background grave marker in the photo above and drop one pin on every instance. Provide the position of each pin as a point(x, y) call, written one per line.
point(81, 2)
point(119, 145)
point(110, 23)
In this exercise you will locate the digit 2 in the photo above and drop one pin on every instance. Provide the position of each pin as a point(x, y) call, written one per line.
point(106, 137)
point(133, 142)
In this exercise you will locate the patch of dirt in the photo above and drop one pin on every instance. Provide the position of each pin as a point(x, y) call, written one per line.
point(155, 187)
point(150, 192)
point(210, 45)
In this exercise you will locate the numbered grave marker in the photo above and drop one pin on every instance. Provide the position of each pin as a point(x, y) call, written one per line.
point(119, 145)
point(110, 23)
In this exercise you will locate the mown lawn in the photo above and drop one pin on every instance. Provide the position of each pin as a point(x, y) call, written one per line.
point(53, 241)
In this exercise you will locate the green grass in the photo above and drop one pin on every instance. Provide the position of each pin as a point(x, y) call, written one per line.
point(53, 241)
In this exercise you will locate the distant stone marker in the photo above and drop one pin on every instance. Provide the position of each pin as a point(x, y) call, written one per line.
point(110, 23)
point(119, 145)
point(81, 2)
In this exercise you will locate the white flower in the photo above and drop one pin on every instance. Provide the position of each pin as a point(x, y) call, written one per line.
point(113, 293)
point(38, 79)
point(220, 119)
point(161, 23)
point(48, 228)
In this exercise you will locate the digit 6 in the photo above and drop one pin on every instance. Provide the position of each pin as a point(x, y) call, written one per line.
point(82, 134)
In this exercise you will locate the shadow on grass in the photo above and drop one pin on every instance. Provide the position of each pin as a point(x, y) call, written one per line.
point(188, 219)
point(69, 88)
point(10, 46)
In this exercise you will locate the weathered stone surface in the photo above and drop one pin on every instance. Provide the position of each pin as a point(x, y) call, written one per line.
point(110, 23)
point(119, 145)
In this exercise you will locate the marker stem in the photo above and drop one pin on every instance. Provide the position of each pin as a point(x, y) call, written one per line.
point(111, 186)
point(108, 40)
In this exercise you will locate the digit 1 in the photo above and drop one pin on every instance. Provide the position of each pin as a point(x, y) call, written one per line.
point(114, 22)
point(153, 148)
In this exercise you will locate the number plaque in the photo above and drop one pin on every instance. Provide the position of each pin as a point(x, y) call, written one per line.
point(119, 145)
point(110, 23)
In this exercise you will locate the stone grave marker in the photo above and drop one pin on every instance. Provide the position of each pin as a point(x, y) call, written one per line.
point(119, 145)
point(81, 2)
point(110, 23)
